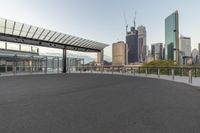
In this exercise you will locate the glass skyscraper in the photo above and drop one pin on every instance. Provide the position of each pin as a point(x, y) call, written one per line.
point(172, 37)
point(133, 49)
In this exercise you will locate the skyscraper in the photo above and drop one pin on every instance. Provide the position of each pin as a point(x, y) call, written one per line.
point(195, 53)
point(184, 49)
point(133, 49)
point(172, 37)
point(185, 45)
point(157, 51)
point(142, 42)
point(199, 48)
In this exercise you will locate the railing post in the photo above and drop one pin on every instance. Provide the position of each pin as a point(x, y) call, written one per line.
point(168, 71)
point(124, 70)
point(91, 69)
point(158, 72)
point(139, 70)
point(181, 71)
point(146, 71)
point(134, 72)
point(190, 76)
point(172, 73)
point(112, 69)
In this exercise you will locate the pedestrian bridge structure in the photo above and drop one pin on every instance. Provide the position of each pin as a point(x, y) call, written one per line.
point(12, 31)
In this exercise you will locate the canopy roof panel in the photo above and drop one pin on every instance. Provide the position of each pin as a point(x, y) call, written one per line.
point(23, 33)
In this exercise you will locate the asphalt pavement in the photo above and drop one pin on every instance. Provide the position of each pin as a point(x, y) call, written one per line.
point(97, 103)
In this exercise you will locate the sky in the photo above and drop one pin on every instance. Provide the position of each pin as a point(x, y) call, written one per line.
point(102, 20)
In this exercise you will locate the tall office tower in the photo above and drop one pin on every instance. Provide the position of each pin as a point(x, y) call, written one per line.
point(142, 42)
point(133, 49)
point(119, 53)
point(157, 51)
point(172, 37)
point(195, 53)
point(184, 49)
point(199, 48)
point(145, 52)
point(148, 51)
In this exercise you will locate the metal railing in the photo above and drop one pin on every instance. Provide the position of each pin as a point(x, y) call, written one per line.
point(14, 70)
point(173, 72)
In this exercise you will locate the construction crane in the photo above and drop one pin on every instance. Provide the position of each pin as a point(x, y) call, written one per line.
point(135, 19)
point(125, 22)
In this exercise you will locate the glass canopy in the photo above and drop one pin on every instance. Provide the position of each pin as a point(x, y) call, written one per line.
point(15, 29)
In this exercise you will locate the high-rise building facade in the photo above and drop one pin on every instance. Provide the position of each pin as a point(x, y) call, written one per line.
point(142, 43)
point(199, 48)
point(172, 37)
point(157, 51)
point(119, 53)
point(195, 53)
point(133, 49)
point(184, 49)
point(185, 45)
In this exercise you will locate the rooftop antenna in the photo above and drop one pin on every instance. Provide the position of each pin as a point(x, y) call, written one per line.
point(125, 22)
point(135, 19)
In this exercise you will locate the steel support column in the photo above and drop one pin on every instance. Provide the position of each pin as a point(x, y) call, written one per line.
point(58, 64)
point(64, 60)
point(100, 59)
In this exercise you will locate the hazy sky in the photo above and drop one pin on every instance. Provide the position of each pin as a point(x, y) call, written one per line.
point(102, 20)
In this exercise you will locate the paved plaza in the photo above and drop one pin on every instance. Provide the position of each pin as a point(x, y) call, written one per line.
point(97, 103)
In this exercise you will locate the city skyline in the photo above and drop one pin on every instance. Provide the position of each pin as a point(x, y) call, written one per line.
point(103, 20)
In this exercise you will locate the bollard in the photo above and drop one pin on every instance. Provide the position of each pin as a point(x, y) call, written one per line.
point(158, 72)
point(172, 74)
point(190, 76)
point(133, 72)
